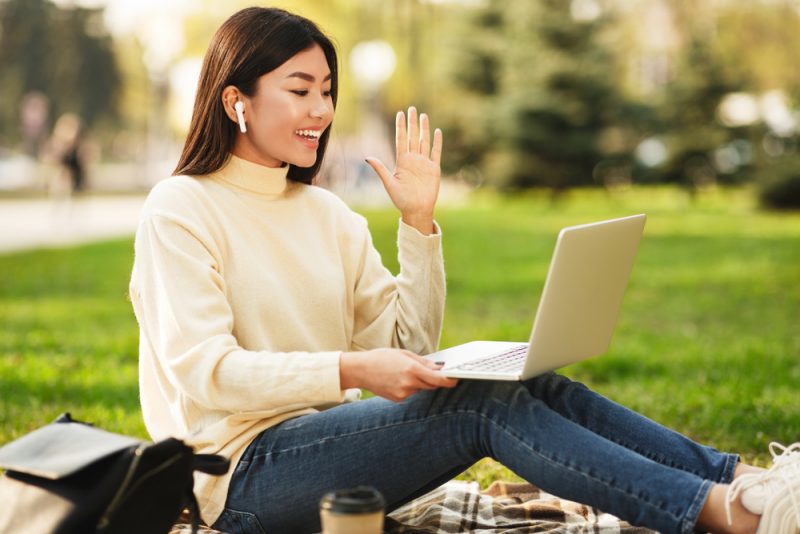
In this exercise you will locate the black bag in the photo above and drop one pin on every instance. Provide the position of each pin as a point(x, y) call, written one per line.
point(70, 477)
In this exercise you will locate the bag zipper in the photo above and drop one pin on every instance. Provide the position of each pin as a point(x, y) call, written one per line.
point(119, 497)
point(137, 456)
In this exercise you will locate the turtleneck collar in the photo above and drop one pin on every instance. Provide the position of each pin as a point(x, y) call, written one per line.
point(253, 177)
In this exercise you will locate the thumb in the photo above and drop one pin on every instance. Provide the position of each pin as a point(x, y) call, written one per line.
point(380, 169)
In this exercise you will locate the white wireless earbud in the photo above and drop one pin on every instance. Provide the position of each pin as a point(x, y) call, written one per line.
point(239, 107)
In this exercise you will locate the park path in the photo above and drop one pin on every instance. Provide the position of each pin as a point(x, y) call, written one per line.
point(33, 222)
point(29, 223)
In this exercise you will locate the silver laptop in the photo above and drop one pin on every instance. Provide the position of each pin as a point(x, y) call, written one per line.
point(577, 311)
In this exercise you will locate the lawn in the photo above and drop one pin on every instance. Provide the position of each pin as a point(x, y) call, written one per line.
point(707, 340)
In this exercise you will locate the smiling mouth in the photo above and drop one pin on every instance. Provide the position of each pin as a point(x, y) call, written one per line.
point(309, 134)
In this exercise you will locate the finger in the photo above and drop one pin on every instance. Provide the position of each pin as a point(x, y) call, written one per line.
point(380, 169)
point(426, 362)
point(451, 383)
point(425, 135)
point(400, 134)
point(446, 381)
point(432, 365)
point(422, 381)
point(438, 380)
point(436, 152)
point(428, 384)
point(435, 378)
point(413, 130)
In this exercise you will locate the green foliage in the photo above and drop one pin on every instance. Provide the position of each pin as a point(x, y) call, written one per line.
point(779, 184)
point(63, 53)
point(544, 97)
point(757, 43)
point(534, 97)
point(688, 117)
point(707, 340)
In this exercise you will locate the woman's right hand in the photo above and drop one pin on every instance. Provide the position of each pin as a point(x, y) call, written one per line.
point(393, 374)
point(413, 186)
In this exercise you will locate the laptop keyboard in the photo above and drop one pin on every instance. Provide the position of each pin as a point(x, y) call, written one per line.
point(509, 360)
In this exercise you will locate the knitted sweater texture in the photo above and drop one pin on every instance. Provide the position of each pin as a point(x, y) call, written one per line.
point(247, 288)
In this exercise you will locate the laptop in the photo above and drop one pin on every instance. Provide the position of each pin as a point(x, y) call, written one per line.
point(577, 312)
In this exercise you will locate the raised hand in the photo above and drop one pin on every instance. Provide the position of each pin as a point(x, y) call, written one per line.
point(413, 186)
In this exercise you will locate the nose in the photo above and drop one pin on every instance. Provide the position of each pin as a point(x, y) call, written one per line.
point(321, 108)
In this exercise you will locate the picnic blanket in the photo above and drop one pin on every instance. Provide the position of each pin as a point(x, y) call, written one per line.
point(504, 507)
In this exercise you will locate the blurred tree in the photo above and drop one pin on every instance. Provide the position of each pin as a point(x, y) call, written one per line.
point(551, 109)
point(687, 106)
point(560, 93)
point(688, 116)
point(758, 43)
point(466, 70)
point(779, 183)
point(63, 53)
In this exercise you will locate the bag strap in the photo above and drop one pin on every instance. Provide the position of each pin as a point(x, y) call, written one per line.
point(211, 464)
point(194, 510)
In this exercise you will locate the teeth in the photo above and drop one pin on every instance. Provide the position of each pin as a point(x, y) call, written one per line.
point(309, 133)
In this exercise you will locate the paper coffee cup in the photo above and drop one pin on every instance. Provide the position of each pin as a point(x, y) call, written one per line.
point(352, 511)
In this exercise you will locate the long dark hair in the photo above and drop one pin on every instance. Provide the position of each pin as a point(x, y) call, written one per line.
point(250, 43)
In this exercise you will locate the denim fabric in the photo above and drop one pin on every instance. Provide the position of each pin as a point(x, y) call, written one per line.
point(553, 432)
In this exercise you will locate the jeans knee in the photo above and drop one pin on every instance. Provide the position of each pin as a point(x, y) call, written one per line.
point(491, 398)
point(551, 386)
point(491, 389)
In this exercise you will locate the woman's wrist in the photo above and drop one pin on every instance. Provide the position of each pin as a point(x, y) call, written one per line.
point(422, 223)
point(348, 370)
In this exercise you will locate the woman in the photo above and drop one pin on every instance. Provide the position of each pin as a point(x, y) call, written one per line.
point(263, 306)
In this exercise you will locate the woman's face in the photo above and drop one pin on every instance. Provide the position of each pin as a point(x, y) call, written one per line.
point(290, 110)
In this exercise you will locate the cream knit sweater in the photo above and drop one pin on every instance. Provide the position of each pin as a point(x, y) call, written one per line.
point(247, 287)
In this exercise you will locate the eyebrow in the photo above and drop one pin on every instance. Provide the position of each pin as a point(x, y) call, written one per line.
point(308, 77)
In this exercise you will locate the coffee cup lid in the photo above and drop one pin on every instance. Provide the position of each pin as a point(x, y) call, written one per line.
point(359, 500)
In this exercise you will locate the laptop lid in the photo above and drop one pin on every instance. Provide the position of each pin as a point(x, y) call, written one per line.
point(583, 293)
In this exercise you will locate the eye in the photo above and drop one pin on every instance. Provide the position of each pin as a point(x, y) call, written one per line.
point(300, 92)
point(327, 93)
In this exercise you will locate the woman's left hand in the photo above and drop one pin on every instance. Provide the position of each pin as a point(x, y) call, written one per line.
point(414, 184)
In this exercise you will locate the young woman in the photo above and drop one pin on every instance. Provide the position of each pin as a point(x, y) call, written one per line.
point(263, 306)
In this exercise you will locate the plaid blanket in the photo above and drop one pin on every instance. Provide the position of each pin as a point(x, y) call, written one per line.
point(505, 507)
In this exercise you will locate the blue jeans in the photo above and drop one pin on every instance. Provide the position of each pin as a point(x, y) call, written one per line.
point(552, 431)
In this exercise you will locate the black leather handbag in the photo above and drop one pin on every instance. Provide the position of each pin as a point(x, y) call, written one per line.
point(69, 477)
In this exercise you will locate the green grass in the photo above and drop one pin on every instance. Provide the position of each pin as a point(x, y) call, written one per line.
point(707, 341)
point(68, 339)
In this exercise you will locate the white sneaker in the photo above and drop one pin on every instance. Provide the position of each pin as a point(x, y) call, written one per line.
point(773, 494)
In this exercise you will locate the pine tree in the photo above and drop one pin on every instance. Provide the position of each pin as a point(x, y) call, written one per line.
point(549, 95)
point(689, 114)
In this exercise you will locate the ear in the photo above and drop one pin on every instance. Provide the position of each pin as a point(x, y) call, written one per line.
point(230, 95)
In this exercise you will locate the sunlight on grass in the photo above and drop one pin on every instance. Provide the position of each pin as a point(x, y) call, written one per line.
point(707, 340)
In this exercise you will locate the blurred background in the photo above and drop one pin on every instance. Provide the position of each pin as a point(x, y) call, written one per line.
point(548, 93)
point(555, 112)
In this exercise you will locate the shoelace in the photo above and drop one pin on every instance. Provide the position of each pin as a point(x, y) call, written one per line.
point(781, 458)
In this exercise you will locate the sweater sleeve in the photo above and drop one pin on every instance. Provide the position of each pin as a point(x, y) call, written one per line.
point(186, 327)
point(404, 311)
